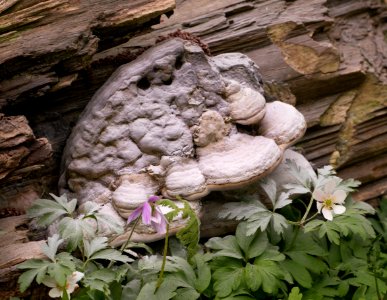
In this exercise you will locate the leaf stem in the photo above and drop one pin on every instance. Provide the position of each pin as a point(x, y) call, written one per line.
point(307, 211)
point(312, 217)
point(160, 279)
point(127, 241)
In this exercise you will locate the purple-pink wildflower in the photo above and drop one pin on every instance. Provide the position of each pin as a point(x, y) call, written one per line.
point(151, 214)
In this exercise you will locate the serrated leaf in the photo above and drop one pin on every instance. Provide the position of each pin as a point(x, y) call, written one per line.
point(72, 231)
point(186, 294)
point(279, 223)
point(227, 279)
point(282, 200)
point(51, 247)
point(184, 267)
point(270, 274)
point(299, 273)
point(251, 245)
point(111, 254)
point(26, 279)
point(59, 273)
point(203, 273)
point(165, 291)
point(95, 245)
point(253, 281)
point(240, 210)
point(270, 188)
point(295, 294)
point(227, 246)
point(110, 223)
point(258, 221)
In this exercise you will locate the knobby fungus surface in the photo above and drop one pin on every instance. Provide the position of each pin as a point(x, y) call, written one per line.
point(176, 122)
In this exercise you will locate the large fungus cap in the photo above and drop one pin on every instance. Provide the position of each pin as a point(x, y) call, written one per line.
point(185, 179)
point(236, 160)
point(283, 123)
point(247, 106)
point(132, 192)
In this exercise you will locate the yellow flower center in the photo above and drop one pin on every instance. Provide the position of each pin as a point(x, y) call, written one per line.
point(328, 203)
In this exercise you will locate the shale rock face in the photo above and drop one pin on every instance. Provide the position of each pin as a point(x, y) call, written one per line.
point(176, 122)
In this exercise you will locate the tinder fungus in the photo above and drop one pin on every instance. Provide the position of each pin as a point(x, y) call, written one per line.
point(176, 122)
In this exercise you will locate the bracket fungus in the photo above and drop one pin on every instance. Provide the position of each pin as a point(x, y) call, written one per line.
point(176, 122)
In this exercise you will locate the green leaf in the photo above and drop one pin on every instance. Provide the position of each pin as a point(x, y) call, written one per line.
point(252, 245)
point(51, 247)
point(253, 280)
point(282, 201)
point(131, 290)
point(166, 291)
point(295, 294)
point(100, 280)
point(94, 245)
point(59, 273)
point(227, 246)
point(47, 211)
point(72, 230)
point(186, 294)
point(203, 273)
point(26, 279)
point(270, 188)
point(110, 254)
point(279, 223)
point(258, 221)
point(298, 272)
point(241, 210)
point(228, 279)
point(270, 274)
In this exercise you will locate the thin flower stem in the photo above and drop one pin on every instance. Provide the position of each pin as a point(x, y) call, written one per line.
point(312, 217)
point(160, 279)
point(127, 241)
point(307, 211)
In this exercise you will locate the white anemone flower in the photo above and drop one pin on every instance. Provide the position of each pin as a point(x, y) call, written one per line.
point(330, 199)
point(71, 285)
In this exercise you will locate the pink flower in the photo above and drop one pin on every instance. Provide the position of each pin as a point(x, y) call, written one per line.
point(330, 200)
point(151, 215)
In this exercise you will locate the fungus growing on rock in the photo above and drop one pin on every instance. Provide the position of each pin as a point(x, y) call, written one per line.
point(168, 124)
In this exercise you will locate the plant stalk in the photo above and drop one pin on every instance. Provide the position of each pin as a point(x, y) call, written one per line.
point(127, 241)
point(307, 211)
point(160, 279)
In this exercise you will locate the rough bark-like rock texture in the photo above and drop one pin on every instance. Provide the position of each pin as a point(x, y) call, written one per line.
point(328, 57)
point(167, 123)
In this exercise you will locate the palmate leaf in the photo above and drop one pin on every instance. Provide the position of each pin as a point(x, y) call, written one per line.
point(227, 246)
point(51, 247)
point(38, 270)
point(268, 273)
point(166, 291)
point(228, 279)
point(100, 280)
point(298, 272)
point(251, 245)
point(203, 277)
point(325, 287)
point(241, 210)
point(305, 179)
point(74, 231)
point(295, 294)
point(95, 245)
point(47, 211)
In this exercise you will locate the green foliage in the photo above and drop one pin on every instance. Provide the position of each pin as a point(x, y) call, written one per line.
point(271, 255)
point(247, 262)
point(189, 235)
point(349, 223)
point(256, 215)
point(47, 211)
point(57, 266)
